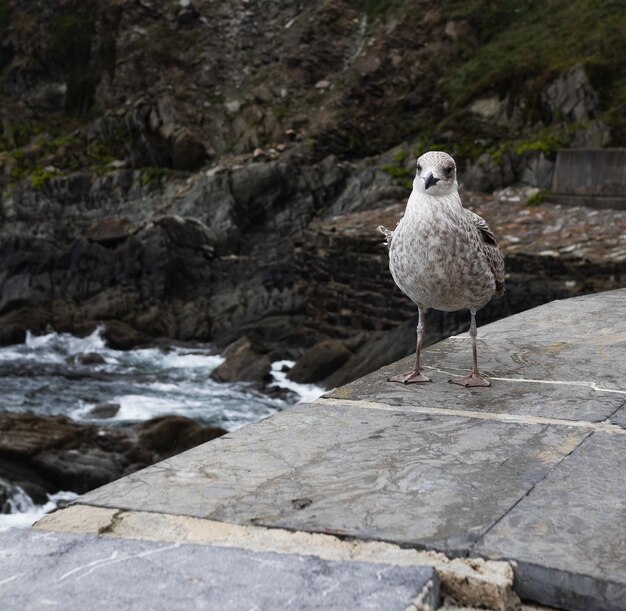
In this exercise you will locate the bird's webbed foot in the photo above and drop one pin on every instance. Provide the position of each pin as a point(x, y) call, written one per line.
point(471, 380)
point(413, 377)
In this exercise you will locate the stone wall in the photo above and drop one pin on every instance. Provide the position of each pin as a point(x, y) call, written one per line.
point(591, 177)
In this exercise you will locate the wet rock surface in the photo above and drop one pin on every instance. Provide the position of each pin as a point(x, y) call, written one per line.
point(47, 454)
point(244, 361)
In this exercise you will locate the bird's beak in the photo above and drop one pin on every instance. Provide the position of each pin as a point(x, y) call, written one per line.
point(429, 180)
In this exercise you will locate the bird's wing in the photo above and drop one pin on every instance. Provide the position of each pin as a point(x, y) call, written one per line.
point(387, 233)
point(490, 248)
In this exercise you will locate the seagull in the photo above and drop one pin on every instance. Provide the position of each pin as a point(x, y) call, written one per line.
point(443, 256)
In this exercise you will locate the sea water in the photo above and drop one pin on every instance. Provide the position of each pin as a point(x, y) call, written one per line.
point(43, 376)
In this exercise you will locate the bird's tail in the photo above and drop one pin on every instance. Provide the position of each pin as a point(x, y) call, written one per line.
point(387, 233)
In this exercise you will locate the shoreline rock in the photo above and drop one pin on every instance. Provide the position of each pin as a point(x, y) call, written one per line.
point(45, 454)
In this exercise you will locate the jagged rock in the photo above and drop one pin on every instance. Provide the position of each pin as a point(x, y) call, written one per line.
point(491, 108)
point(243, 362)
point(110, 230)
point(537, 171)
point(188, 232)
point(571, 96)
point(86, 358)
point(482, 175)
point(121, 336)
point(102, 411)
point(593, 135)
point(320, 361)
point(55, 453)
point(16, 322)
point(188, 153)
point(171, 435)
point(368, 188)
point(376, 351)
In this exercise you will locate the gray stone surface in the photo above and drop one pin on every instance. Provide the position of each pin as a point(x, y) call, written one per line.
point(531, 471)
point(568, 535)
point(566, 346)
point(563, 401)
point(619, 417)
point(373, 474)
point(72, 572)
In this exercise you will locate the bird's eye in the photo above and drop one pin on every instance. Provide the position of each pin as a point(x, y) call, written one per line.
point(419, 167)
point(449, 170)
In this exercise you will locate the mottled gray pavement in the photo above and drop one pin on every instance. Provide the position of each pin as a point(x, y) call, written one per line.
point(58, 570)
point(531, 470)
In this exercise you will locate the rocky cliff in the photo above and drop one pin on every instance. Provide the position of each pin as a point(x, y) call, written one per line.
point(204, 170)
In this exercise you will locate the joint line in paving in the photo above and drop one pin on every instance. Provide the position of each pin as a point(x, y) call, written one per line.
point(527, 493)
point(604, 426)
point(592, 385)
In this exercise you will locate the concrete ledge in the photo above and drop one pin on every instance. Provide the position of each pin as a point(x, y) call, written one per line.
point(474, 582)
point(89, 572)
point(527, 471)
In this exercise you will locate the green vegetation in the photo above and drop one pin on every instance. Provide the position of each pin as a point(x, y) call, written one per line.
point(537, 198)
point(280, 112)
point(398, 170)
point(535, 40)
point(399, 156)
point(17, 135)
point(100, 155)
point(152, 175)
point(395, 171)
point(373, 8)
point(40, 177)
point(31, 153)
point(169, 46)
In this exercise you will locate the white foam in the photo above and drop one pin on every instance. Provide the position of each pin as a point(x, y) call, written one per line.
point(174, 360)
point(143, 407)
point(24, 512)
point(306, 392)
point(65, 343)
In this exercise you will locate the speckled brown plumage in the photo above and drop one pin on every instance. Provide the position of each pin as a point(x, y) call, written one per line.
point(443, 256)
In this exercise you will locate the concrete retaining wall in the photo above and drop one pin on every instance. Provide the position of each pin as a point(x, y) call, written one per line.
point(590, 177)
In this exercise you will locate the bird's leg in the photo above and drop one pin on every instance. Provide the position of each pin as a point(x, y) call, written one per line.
point(415, 376)
point(474, 378)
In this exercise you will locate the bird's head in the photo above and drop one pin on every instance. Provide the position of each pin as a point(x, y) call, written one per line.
point(436, 174)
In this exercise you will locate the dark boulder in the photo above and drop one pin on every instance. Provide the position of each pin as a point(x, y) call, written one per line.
point(86, 358)
point(320, 361)
point(170, 435)
point(102, 411)
point(47, 454)
point(15, 323)
point(121, 336)
point(244, 362)
point(110, 230)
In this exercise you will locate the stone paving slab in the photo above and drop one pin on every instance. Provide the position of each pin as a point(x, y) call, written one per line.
point(589, 318)
point(75, 573)
point(619, 417)
point(471, 582)
point(568, 536)
point(563, 401)
point(569, 349)
point(530, 470)
point(369, 473)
